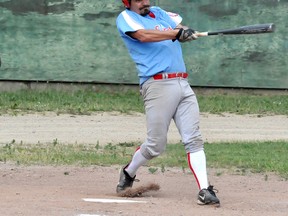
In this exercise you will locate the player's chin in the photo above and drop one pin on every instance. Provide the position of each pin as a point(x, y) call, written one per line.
point(145, 11)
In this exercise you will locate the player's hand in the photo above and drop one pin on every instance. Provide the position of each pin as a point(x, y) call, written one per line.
point(185, 35)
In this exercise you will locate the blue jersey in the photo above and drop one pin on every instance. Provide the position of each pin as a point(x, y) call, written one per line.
point(152, 57)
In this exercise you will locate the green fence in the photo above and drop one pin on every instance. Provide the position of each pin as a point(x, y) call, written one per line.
point(77, 40)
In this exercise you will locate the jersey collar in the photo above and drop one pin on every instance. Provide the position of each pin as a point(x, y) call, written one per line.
point(152, 15)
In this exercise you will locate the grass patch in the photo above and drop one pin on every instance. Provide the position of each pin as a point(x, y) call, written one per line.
point(61, 154)
point(244, 104)
point(78, 102)
point(259, 157)
point(89, 101)
point(255, 156)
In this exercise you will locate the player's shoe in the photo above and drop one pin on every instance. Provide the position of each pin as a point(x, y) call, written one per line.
point(208, 197)
point(125, 181)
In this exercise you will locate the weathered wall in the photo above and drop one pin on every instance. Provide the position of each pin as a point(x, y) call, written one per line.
point(69, 40)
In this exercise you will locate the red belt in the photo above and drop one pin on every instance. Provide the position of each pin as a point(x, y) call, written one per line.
point(160, 76)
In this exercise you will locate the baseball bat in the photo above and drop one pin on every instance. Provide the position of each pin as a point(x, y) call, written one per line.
point(249, 29)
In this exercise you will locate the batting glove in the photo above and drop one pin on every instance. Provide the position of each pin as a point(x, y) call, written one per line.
point(186, 35)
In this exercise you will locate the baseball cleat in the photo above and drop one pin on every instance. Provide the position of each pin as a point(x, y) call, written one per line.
point(208, 197)
point(125, 181)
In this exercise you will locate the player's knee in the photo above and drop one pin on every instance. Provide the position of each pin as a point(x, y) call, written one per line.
point(151, 149)
point(194, 145)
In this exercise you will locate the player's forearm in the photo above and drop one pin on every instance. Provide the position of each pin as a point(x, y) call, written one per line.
point(154, 35)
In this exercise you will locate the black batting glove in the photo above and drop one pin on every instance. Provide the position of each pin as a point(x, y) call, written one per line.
point(186, 35)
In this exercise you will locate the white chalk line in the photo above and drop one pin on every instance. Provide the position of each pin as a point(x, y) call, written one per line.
point(95, 200)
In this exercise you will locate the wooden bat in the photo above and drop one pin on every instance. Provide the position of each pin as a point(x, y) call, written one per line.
point(249, 29)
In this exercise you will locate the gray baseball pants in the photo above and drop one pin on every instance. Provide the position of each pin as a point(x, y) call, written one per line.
point(165, 100)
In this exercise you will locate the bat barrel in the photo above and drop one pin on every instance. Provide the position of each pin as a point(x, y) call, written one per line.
point(250, 29)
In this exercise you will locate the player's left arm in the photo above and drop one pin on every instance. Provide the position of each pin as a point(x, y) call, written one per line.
point(185, 33)
point(181, 33)
point(179, 26)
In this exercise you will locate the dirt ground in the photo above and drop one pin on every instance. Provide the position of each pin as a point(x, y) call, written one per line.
point(36, 190)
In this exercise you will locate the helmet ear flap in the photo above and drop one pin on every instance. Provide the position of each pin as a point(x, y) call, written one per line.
point(126, 3)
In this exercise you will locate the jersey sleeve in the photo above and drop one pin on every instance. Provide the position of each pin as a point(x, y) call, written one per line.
point(125, 23)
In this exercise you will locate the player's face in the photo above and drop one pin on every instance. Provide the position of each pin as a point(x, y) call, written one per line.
point(141, 7)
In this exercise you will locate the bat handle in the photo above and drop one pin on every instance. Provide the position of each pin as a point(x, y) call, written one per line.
point(202, 34)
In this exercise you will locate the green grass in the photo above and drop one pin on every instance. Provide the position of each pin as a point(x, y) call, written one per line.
point(257, 157)
point(79, 102)
point(243, 156)
point(88, 101)
point(260, 157)
point(244, 104)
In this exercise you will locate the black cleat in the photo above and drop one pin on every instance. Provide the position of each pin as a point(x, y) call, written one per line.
point(208, 197)
point(125, 181)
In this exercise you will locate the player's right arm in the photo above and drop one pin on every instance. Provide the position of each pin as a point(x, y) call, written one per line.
point(145, 35)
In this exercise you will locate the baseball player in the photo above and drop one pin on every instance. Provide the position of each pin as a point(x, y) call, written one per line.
point(152, 37)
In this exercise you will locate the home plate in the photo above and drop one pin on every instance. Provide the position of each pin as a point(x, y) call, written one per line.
point(112, 200)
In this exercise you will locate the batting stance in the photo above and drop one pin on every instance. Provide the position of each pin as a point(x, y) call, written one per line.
point(153, 37)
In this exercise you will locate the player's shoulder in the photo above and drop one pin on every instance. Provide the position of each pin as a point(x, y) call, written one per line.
point(157, 10)
point(160, 11)
point(125, 14)
point(121, 14)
